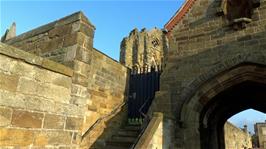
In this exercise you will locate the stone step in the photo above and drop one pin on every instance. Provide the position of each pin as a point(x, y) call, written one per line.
point(123, 139)
point(126, 133)
point(116, 147)
point(132, 127)
point(119, 144)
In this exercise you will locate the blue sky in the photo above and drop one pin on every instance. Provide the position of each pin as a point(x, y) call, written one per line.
point(113, 20)
point(248, 117)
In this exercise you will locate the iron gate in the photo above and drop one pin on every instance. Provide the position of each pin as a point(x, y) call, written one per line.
point(142, 87)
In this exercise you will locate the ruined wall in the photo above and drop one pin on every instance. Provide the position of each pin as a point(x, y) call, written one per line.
point(98, 84)
point(236, 137)
point(35, 108)
point(260, 132)
point(144, 48)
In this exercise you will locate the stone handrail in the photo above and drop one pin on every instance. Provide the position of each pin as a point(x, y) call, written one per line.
point(99, 120)
point(149, 132)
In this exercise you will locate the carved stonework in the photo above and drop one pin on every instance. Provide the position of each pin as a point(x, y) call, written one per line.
point(238, 12)
point(144, 48)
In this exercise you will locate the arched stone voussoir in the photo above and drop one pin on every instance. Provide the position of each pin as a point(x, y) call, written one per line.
point(207, 89)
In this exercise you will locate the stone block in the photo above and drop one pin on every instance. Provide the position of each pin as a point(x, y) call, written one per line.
point(81, 68)
point(74, 123)
point(16, 137)
point(70, 109)
point(5, 117)
point(24, 69)
point(10, 99)
point(70, 40)
point(8, 82)
point(46, 76)
point(76, 26)
point(70, 53)
point(52, 121)
point(27, 86)
point(51, 45)
point(84, 55)
point(60, 31)
point(80, 79)
point(54, 92)
point(80, 101)
point(52, 138)
point(87, 30)
point(76, 138)
point(27, 119)
point(62, 81)
point(78, 90)
point(90, 119)
point(57, 67)
point(98, 93)
point(4, 60)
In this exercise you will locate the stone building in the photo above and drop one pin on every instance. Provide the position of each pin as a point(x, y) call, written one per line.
point(57, 91)
point(236, 138)
point(144, 48)
point(260, 133)
point(215, 69)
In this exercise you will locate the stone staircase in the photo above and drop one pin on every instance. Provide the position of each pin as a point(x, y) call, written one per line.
point(124, 138)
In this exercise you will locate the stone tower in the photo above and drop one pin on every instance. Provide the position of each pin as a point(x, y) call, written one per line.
point(144, 48)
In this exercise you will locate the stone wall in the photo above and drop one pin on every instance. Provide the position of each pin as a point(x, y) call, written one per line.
point(236, 138)
point(203, 45)
point(157, 139)
point(35, 108)
point(260, 132)
point(98, 84)
point(107, 89)
point(144, 48)
point(56, 40)
point(162, 136)
point(157, 134)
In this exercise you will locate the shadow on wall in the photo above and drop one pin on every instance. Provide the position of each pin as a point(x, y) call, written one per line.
point(106, 126)
point(111, 126)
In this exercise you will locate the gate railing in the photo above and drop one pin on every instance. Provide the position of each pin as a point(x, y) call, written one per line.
point(144, 82)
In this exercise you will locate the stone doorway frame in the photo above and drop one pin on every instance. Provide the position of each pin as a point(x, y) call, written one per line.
point(191, 118)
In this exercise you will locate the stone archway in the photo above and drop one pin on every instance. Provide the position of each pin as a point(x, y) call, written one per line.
point(234, 90)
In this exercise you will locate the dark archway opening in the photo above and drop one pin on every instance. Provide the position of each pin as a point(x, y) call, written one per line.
point(227, 103)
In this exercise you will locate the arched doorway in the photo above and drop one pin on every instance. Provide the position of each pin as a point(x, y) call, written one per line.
point(232, 91)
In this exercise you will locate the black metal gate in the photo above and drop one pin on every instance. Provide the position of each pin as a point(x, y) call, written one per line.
point(143, 85)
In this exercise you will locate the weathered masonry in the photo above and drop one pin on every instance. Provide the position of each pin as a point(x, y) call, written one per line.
point(57, 91)
point(62, 102)
point(144, 48)
point(260, 132)
point(236, 137)
point(215, 68)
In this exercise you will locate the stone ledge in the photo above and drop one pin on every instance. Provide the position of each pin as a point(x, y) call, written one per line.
point(45, 28)
point(110, 58)
point(34, 60)
point(149, 132)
